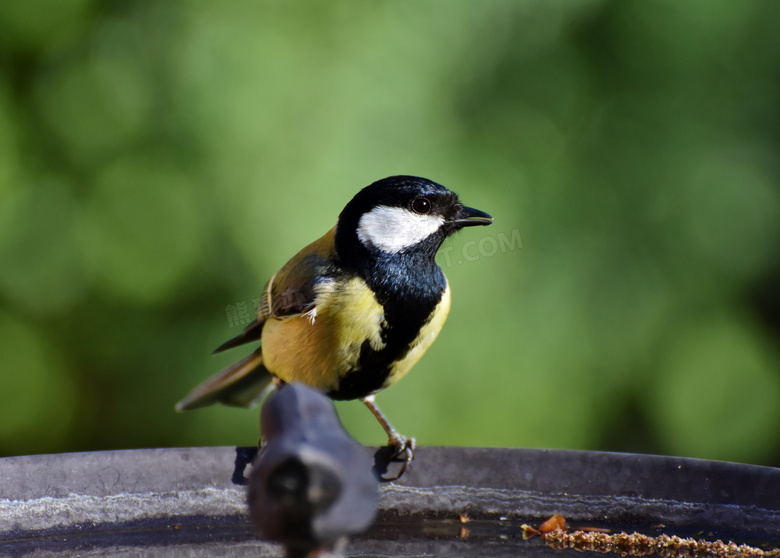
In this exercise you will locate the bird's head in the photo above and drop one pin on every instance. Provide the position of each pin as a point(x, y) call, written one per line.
point(402, 215)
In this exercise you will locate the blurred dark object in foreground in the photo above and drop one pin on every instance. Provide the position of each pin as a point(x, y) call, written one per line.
point(311, 485)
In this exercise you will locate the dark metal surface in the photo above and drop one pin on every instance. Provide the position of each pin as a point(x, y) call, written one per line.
point(312, 485)
point(184, 501)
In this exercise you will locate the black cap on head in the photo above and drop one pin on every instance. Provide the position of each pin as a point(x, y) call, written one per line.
point(396, 191)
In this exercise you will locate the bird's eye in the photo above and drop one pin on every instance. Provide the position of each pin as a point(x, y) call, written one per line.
point(421, 206)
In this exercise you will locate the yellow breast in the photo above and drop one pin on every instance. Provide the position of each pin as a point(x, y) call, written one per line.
point(320, 346)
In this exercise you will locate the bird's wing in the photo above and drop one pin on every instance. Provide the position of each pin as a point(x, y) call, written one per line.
point(291, 292)
point(243, 384)
point(251, 333)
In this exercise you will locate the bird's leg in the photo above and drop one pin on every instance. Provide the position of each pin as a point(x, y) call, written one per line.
point(403, 447)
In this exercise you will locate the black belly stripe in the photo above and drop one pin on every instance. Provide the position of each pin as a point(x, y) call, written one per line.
point(409, 294)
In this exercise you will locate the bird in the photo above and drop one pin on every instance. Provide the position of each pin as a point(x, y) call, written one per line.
point(311, 485)
point(352, 312)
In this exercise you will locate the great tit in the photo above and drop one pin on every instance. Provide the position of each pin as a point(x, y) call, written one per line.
point(352, 312)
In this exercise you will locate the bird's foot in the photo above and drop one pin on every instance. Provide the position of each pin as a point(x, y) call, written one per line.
point(399, 449)
point(396, 455)
point(402, 449)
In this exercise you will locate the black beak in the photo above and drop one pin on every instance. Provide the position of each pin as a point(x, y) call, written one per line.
point(469, 217)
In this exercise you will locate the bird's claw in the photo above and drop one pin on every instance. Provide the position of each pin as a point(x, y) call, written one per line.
point(403, 452)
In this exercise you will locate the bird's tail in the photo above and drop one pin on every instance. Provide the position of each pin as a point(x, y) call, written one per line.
point(242, 385)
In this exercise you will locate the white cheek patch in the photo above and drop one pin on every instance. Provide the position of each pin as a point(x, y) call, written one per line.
point(392, 229)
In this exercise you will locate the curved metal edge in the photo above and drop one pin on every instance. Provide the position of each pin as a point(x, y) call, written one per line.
point(157, 488)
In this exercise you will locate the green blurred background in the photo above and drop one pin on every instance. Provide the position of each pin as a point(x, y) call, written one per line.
point(160, 160)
